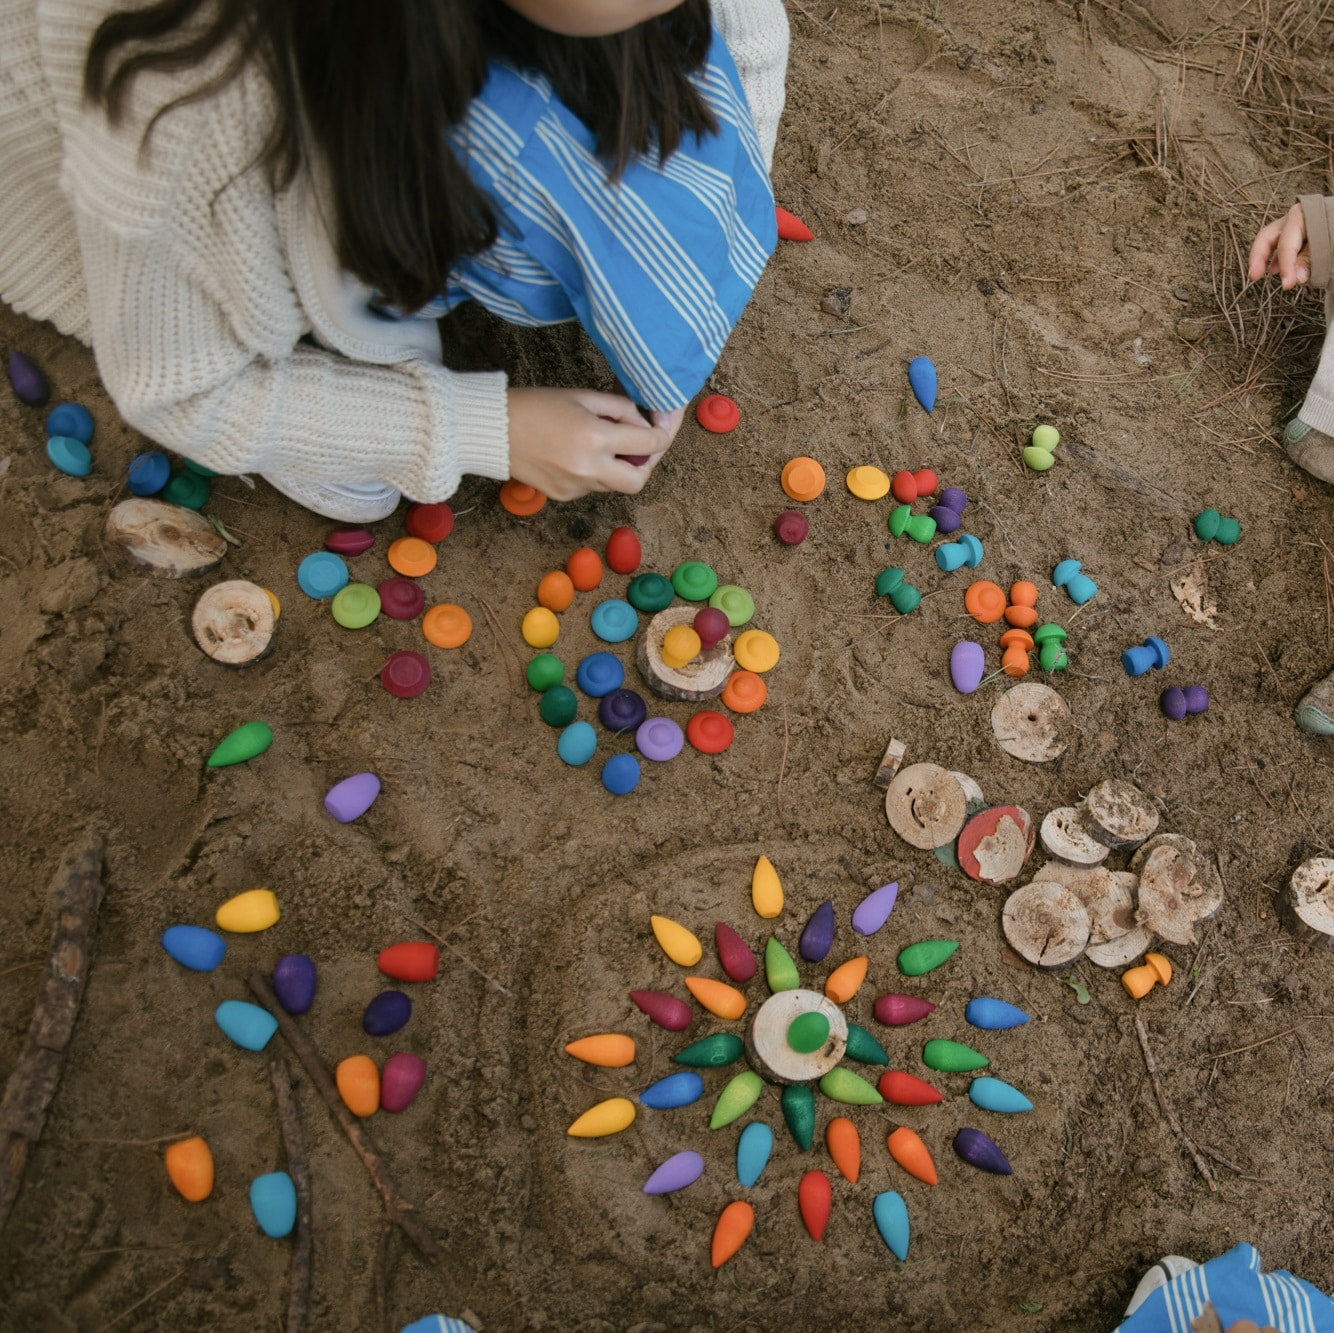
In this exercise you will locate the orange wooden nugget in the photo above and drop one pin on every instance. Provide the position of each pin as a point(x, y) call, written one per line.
point(555, 591)
point(908, 1150)
point(729, 1235)
point(845, 1147)
point(611, 1050)
point(584, 568)
point(744, 692)
point(845, 980)
point(358, 1084)
point(717, 996)
point(189, 1166)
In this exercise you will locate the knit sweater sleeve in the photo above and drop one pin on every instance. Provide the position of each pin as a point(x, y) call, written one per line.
point(204, 336)
point(756, 33)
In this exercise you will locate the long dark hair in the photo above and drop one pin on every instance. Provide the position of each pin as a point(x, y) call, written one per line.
point(372, 88)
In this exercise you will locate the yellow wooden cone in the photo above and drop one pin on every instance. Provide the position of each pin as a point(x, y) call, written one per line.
point(611, 1050)
point(677, 942)
point(717, 996)
point(609, 1117)
point(255, 909)
point(844, 981)
point(766, 892)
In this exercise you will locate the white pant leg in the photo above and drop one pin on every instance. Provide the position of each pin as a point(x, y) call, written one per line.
point(1318, 409)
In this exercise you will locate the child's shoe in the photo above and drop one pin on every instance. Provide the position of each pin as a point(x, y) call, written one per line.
point(347, 504)
point(1312, 450)
point(1315, 709)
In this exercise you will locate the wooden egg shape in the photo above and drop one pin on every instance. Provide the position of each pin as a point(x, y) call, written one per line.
point(189, 1166)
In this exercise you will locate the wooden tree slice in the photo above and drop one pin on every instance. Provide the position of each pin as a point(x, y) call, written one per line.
point(926, 806)
point(700, 679)
point(172, 541)
point(1108, 897)
point(1307, 906)
point(1203, 893)
point(972, 789)
point(1118, 814)
point(1046, 924)
point(1164, 904)
point(1032, 723)
point(1065, 837)
point(233, 622)
point(1121, 951)
point(767, 1046)
point(995, 843)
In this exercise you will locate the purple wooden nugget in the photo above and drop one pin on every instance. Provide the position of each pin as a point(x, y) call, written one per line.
point(978, 1150)
point(294, 982)
point(1173, 703)
point(352, 797)
point(818, 937)
point(898, 1010)
point(622, 710)
point(675, 1173)
point(967, 664)
point(401, 1080)
point(386, 1013)
point(953, 498)
point(1197, 698)
point(873, 910)
point(947, 519)
point(29, 382)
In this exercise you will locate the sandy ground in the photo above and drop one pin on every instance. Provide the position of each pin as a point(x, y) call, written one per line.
point(1046, 199)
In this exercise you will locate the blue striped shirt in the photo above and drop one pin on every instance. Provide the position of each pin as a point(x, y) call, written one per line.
point(657, 266)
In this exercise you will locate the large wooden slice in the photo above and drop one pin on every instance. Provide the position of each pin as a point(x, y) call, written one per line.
point(1307, 905)
point(1178, 886)
point(233, 622)
point(700, 679)
point(767, 1046)
point(1065, 837)
point(1032, 723)
point(1118, 814)
point(1046, 924)
point(926, 806)
point(172, 541)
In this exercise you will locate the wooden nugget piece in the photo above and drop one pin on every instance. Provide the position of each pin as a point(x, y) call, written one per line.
point(1307, 906)
point(1118, 814)
point(1032, 723)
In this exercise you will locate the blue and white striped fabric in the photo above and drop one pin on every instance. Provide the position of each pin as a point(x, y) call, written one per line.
point(1237, 1289)
point(657, 266)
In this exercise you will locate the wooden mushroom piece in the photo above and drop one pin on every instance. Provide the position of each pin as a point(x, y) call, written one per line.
point(995, 843)
point(233, 622)
point(703, 677)
point(1115, 936)
point(1032, 723)
point(926, 806)
point(1064, 836)
point(1307, 905)
point(1045, 923)
point(1118, 815)
point(172, 541)
point(1178, 886)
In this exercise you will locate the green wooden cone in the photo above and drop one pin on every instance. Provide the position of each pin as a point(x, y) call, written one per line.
point(952, 1057)
point(799, 1112)
point(736, 1098)
point(248, 740)
point(722, 1048)
point(918, 959)
point(842, 1085)
point(779, 969)
point(864, 1048)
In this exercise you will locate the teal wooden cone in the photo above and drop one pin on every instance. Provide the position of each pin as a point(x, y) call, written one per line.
point(799, 1112)
point(722, 1048)
point(864, 1048)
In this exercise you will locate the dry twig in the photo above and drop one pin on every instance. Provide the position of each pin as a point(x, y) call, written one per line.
point(1166, 1107)
point(298, 1289)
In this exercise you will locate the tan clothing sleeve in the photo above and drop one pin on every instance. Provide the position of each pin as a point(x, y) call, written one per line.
point(1318, 212)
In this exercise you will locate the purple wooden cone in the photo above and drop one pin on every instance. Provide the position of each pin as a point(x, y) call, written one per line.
point(675, 1173)
point(29, 383)
point(897, 1010)
point(873, 910)
point(818, 937)
point(978, 1150)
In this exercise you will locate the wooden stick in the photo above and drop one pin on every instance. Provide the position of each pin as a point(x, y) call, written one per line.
point(400, 1211)
point(298, 1290)
point(77, 890)
point(1166, 1107)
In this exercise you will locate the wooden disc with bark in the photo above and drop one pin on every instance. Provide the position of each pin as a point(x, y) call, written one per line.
point(703, 677)
point(1118, 814)
point(1115, 938)
point(1307, 905)
point(1046, 924)
point(172, 541)
point(1032, 723)
point(926, 806)
point(995, 843)
point(233, 622)
point(1178, 886)
point(1065, 837)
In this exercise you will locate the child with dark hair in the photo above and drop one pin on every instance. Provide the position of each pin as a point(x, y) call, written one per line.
point(222, 197)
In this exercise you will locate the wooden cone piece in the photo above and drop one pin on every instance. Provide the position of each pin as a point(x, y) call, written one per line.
point(1032, 723)
point(233, 622)
point(1178, 886)
point(926, 806)
point(1046, 924)
point(701, 678)
point(1065, 837)
point(1307, 905)
point(1118, 814)
point(172, 541)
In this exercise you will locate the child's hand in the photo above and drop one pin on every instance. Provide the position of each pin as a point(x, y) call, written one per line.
point(1280, 248)
point(568, 442)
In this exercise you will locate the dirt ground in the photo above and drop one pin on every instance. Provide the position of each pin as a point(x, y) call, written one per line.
point(1049, 200)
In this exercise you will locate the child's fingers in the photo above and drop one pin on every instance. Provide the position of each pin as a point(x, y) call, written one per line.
point(1262, 251)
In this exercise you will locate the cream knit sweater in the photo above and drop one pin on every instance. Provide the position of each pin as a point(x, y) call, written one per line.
point(222, 325)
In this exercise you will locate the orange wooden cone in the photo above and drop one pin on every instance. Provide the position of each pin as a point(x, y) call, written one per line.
point(729, 1235)
point(908, 1150)
point(844, 981)
point(845, 1147)
point(717, 996)
point(611, 1050)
